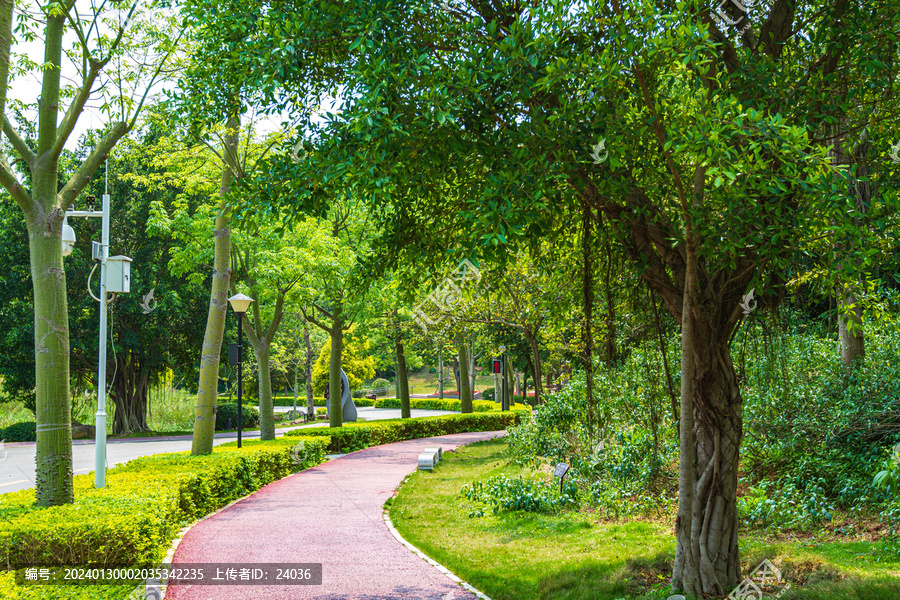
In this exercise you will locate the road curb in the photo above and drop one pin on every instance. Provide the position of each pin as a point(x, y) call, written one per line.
point(431, 561)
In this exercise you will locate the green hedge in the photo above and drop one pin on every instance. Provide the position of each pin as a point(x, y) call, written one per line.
point(433, 404)
point(133, 519)
point(301, 401)
point(226, 414)
point(19, 432)
point(355, 436)
point(445, 404)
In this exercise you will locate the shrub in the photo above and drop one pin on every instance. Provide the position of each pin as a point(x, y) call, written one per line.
point(781, 505)
point(434, 404)
point(133, 519)
point(379, 383)
point(355, 436)
point(515, 493)
point(20, 432)
point(889, 476)
point(227, 414)
point(488, 394)
point(301, 401)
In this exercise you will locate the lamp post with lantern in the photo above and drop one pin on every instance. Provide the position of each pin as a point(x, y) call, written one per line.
point(239, 304)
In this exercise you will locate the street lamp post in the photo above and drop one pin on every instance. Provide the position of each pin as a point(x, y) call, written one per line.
point(239, 304)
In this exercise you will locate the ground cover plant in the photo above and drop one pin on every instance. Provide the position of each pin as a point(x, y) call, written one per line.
point(576, 554)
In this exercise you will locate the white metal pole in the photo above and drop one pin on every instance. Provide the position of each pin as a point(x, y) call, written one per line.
point(100, 417)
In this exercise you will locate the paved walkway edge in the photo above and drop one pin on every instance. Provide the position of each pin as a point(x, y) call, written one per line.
point(429, 560)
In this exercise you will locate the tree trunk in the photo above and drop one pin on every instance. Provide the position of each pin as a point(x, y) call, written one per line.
point(707, 559)
point(310, 403)
point(335, 410)
point(853, 348)
point(404, 381)
point(535, 366)
point(472, 372)
point(266, 407)
point(465, 392)
point(587, 335)
point(440, 375)
point(507, 366)
point(611, 352)
point(529, 368)
point(53, 406)
point(129, 394)
point(850, 331)
point(208, 387)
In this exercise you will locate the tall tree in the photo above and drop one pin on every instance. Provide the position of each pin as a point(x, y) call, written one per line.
point(695, 140)
point(42, 201)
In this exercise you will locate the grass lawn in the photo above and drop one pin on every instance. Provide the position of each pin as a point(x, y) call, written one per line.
point(426, 383)
point(575, 556)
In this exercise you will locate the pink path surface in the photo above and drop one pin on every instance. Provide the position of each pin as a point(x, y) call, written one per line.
point(330, 514)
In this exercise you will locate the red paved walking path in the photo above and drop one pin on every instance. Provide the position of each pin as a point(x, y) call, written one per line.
point(330, 514)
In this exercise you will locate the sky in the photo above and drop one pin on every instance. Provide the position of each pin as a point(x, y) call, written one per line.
point(26, 86)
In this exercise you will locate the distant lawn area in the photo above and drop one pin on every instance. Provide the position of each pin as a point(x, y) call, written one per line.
point(576, 556)
point(427, 383)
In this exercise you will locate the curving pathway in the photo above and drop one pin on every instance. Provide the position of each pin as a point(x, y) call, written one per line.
point(330, 514)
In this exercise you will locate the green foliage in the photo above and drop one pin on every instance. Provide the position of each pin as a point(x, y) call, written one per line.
point(781, 506)
point(355, 436)
point(355, 361)
point(518, 493)
point(438, 404)
point(890, 516)
point(488, 394)
point(133, 519)
point(381, 383)
point(226, 413)
point(889, 477)
point(619, 468)
point(807, 419)
point(20, 432)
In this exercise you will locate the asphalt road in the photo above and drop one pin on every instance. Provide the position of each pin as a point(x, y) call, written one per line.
point(17, 460)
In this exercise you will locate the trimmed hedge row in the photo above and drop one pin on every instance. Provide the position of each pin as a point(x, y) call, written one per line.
point(445, 404)
point(227, 414)
point(134, 518)
point(19, 432)
point(301, 401)
point(356, 436)
point(434, 404)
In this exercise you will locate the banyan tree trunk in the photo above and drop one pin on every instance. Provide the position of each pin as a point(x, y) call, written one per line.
point(129, 393)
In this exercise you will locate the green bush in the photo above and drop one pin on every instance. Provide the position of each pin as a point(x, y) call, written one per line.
point(226, 413)
point(487, 394)
point(515, 493)
point(438, 404)
point(355, 436)
point(379, 383)
point(781, 505)
point(301, 401)
point(133, 519)
point(20, 432)
point(432, 404)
